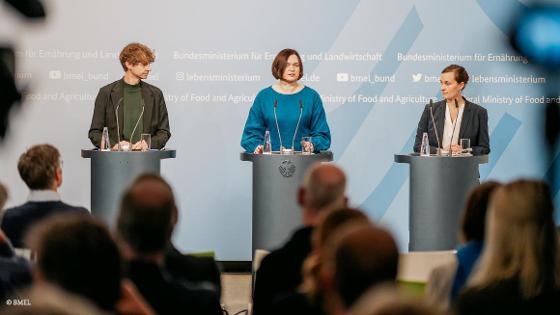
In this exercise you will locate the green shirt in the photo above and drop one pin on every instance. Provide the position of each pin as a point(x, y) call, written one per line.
point(132, 101)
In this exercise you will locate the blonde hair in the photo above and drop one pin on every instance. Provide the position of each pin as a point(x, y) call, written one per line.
point(521, 239)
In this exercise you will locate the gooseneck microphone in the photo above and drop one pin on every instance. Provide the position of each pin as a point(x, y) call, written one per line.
point(138, 121)
point(454, 125)
point(435, 128)
point(297, 125)
point(118, 128)
point(277, 127)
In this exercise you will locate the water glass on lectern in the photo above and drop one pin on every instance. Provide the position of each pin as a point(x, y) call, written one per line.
point(105, 145)
point(425, 146)
point(465, 145)
point(306, 145)
point(267, 147)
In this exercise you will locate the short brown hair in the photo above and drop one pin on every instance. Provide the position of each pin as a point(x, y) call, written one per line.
point(136, 53)
point(147, 215)
point(37, 166)
point(473, 222)
point(281, 62)
point(77, 253)
point(461, 75)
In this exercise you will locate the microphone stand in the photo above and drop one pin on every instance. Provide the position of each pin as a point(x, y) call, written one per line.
point(118, 128)
point(454, 125)
point(297, 125)
point(278, 127)
point(137, 122)
point(435, 127)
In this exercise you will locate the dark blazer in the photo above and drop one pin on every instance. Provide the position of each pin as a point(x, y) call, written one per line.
point(474, 126)
point(17, 220)
point(201, 271)
point(167, 296)
point(15, 272)
point(155, 119)
point(280, 271)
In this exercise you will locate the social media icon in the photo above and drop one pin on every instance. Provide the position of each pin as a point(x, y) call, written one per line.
point(55, 74)
point(180, 76)
point(342, 77)
point(417, 77)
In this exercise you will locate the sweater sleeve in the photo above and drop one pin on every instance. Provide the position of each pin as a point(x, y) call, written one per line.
point(253, 133)
point(320, 132)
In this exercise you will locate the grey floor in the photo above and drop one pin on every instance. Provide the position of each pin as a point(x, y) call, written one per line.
point(236, 292)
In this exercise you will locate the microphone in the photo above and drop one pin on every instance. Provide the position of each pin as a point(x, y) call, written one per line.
point(277, 127)
point(454, 125)
point(297, 125)
point(118, 130)
point(138, 121)
point(435, 127)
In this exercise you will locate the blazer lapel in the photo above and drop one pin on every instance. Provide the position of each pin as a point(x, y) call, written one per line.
point(148, 100)
point(440, 120)
point(465, 121)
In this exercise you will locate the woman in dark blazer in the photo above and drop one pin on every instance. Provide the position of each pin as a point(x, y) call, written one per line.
point(455, 117)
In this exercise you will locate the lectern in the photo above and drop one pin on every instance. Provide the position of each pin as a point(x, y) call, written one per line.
point(113, 171)
point(276, 179)
point(439, 186)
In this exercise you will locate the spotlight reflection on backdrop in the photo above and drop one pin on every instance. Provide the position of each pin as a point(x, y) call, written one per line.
point(536, 35)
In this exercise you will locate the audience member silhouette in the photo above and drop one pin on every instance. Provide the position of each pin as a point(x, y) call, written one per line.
point(78, 254)
point(279, 274)
point(362, 256)
point(144, 228)
point(40, 168)
point(519, 269)
point(308, 298)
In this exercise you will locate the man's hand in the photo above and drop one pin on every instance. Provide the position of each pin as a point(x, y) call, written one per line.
point(123, 145)
point(258, 149)
point(307, 146)
point(140, 146)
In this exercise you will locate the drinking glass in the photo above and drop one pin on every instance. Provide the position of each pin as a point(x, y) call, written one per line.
point(105, 143)
point(425, 146)
point(465, 145)
point(306, 145)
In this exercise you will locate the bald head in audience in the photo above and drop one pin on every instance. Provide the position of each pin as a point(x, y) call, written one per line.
point(323, 190)
point(147, 217)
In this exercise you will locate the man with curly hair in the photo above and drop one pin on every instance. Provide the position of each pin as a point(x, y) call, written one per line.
point(130, 107)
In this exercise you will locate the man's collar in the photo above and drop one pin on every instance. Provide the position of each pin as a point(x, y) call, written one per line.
point(43, 195)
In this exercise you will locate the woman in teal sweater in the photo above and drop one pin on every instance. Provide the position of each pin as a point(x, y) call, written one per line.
point(288, 109)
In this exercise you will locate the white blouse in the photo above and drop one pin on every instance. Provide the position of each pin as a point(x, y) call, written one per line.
point(448, 133)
